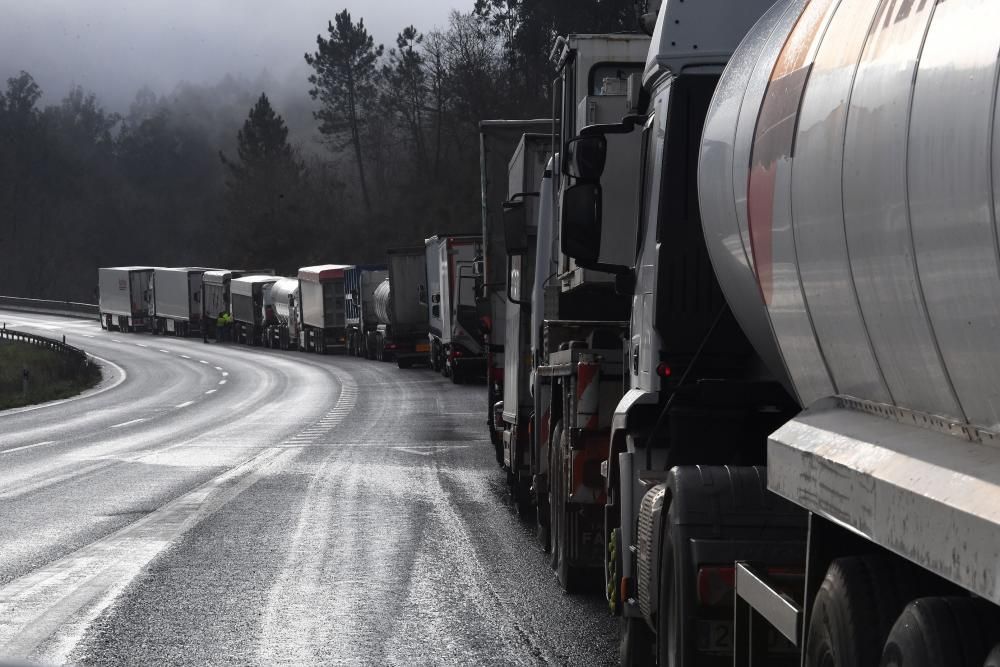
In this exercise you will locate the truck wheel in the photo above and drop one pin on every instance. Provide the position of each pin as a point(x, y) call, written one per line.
point(954, 631)
point(635, 647)
point(993, 659)
point(404, 363)
point(854, 609)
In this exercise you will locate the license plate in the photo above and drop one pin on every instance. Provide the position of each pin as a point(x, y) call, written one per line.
point(423, 347)
point(715, 637)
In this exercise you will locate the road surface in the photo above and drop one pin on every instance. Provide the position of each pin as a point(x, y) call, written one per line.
point(216, 504)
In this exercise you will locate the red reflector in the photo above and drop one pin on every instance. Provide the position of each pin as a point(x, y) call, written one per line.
point(716, 585)
point(456, 353)
point(664, 371)
point(391, 346)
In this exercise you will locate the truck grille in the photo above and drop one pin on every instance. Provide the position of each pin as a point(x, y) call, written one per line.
point(647, 539)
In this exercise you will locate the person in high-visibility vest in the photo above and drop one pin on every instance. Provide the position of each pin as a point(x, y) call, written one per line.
point(223, 326)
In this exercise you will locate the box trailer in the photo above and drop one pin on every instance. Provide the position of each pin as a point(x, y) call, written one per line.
point(456, 332)
point(177, 306)
point(125, 297)
point(215, 298)
point(248, 295)
point(323, 302)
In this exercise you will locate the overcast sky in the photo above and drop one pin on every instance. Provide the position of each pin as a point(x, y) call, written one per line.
point(113, 47)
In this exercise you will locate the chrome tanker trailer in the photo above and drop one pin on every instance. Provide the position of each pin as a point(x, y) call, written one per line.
point(283, 329)
point(380, 345)
point(809, 441)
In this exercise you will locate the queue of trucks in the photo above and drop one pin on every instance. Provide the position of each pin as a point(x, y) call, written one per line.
point(736, 305)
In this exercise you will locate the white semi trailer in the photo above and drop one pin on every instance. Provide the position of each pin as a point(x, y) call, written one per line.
point(177, 306)
point(809, 438)
point(126, 300)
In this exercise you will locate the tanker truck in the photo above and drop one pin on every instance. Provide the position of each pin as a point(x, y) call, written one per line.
point(402, 326)
point(804, 468)
point(360, 282)
point(285, 324)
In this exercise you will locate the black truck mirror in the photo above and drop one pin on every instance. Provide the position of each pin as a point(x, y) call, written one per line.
point(515, 227)
point(585, 156)
point(580, 232)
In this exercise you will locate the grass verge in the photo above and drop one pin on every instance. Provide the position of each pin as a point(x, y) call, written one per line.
point(51, 375)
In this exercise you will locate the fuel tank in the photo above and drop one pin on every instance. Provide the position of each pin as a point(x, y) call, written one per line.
point(382, 295)
point(284, 293)
point(847, 183)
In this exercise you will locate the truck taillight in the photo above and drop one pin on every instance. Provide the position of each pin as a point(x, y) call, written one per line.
point(664, 370)
point(716, 585)
point(456, 354)
point(391, 346)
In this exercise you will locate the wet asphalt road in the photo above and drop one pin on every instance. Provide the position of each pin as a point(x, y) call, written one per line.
point(212, 504)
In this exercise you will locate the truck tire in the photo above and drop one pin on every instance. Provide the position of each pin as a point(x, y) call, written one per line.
point(854, 610)
point(404, 363)
point(635, 647)
point(993, 659)
point(953, 631)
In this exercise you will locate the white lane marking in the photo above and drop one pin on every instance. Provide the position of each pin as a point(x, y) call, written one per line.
point(37, 444)
point(141, 345)
point(225, 374)
point(130, 422)
point(222, 382)
point(218, 368)
point(86, 335)
point(115, 340)
point(202, 361)
point(211, 391)
point(185, 404)
point(184, 356)
point(165, 351)
point(122, 375)
point(55, 604)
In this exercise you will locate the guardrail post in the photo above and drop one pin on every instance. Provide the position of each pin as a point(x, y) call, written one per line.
point(24, 380)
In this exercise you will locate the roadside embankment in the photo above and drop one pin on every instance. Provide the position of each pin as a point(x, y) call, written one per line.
point(35, 373)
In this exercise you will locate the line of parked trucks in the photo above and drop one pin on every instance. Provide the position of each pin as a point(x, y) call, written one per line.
point(419, 307)
point(736, 304)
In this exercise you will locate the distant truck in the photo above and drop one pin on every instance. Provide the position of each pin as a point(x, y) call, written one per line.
point(403, 316)
point(456, 342)
point(498, 140)
point(284, 326)
point(248, 294)
point(215, 296)
point(125, 297)
point(177, 306)
point(360, 282)
point(323, 305)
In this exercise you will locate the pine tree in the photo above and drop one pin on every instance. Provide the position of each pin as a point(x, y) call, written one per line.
point(345, 83)
point(264, 212)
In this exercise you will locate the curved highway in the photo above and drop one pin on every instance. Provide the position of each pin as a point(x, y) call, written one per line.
point(216, 504)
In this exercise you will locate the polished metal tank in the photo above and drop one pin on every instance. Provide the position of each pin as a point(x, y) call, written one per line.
point(847, 184)
point(381, 298)
point(284, 295)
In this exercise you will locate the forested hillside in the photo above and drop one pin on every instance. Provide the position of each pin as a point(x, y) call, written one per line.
point(377, 148)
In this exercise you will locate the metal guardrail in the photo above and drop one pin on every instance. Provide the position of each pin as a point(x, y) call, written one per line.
point(49, 306)
point(41, 341)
